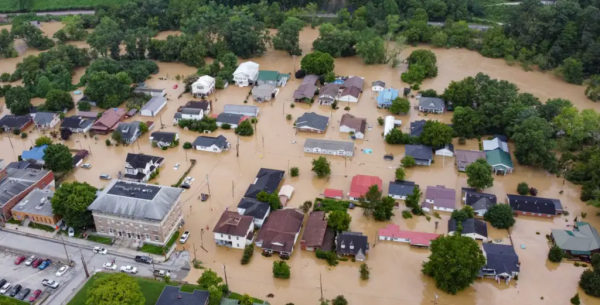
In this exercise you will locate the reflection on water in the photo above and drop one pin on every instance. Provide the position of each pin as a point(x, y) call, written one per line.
point(395, 275)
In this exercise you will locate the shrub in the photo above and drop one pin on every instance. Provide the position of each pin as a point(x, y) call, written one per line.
point(292, 105)
point(533, 191)
point(523, 188)
point(288, 117)
point(281, 270)
point(187, 145)
point(294, 171)
point(17, 131)
point(347, 108)
point(408, 162)
point(437, 215)
point(576, 264)
point(248, 252)
point(5, 77)
point(334, 105)
point(575, 300)
point(364, 271)
point(555, 254)
point(406, 214)
point(462, 140)
point(107, 142)
point(380, 121)
point(329, 256)
point(23, 135)
point(583, 214)
point(595, 259)
point(226, 126)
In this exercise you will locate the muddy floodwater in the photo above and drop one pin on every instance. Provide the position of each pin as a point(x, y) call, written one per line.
point(395, 268)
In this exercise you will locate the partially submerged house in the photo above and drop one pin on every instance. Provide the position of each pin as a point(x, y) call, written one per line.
point(203, 86)
point(257, 209)
point(77, 124)
point(378, 86)
point(385, 98)
point(389, 124)
point(495, 143)
point(329, 147)
point(129, 131)
point(416, 127)
point(581, 242)
point(353, 125)
point(153, 106)
point(88, 114)
point(139, 167)
point(205, 105)
point(311, 79)
point(333, 194)
point(534, 206)
point(317, 236)
point(163, 139)
point(272, 78)
point(354, 81)
point(35, 154)
point(312, 122)
point(246, 74)
point(472, 228)
point(480, 202)
point(401, 189)
point(266, 180)
point(246, 110)
point(439, 198)
point(329, 94)
point(360, 186)
point(108, 121)
point(86, 99)
point(150, 91)
point(234, 120)
point(46, 120)
point(211, 144)
point(79, 156)
point(234, 230)
point(446, 150)
point(500, 161)
point(188, 114)
point(305, 93)
point(392, 232)
point(280, 232)
point(422, 154)
point(264, 93)
point(352, 244)
point(432, 105)
point(350, 95)
point(501, 261)
point(465, 157)
point(285, 194)
point(11, 122)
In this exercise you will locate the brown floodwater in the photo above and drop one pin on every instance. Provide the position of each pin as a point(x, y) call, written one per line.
point(395, 268)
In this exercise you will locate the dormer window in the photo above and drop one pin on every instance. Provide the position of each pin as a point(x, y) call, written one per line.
point(351, 245)
point(343, 245)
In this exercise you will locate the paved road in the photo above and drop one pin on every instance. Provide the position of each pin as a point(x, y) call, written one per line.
point(29, 245)
point(54, 13)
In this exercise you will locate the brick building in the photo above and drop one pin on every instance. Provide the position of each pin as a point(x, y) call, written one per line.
point(36, 207)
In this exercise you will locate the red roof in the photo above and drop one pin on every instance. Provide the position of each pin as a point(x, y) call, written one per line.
point(331, 193)
point(361, 183)
point(416, 238)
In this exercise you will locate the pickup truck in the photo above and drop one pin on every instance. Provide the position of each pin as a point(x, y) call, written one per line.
point(50, 283)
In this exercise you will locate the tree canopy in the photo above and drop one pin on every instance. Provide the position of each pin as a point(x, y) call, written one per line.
point(321, 167)
point(245, 129)
point(400, 105)
point(115, 288)
point(209, 278)
point(58, 158)
point(108, 90)
point(288, 36)
point(339, 220)
point(71, 201)
point(436, 134)
point(318, 63)
point(500, 216)
point(18, 100)
point(281, 270)
point(479, 174)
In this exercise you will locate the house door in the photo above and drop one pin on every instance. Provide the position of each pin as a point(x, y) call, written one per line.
point(128, 235)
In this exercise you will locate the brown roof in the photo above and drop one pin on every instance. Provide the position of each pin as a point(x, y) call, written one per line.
point(305, 91)
point(314, 233)
point(310, 79)
point(354, 91)
point(109, 119)
point(280, 229)
point(233, 223)
point(204, 105)
point(358, 124)
point(466, 157)
point(88, 114)
point(330, 89)
point(354, 81)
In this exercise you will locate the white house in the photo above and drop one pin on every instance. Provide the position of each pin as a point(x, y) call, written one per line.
point(354, 125)
point(204, 86)
point(45, 120)
point(247, 110)
point(399, 190)
point(154, 106)
point(162, 139)
point(257, 209)
point(150, 91)
point(139, 167)
point(389, 124)
point(329, 147)
point(447, 150)
point(350, 95)
point(211, 144)
point(246, 74)
point(188, 114)
point(439, 198)
point(234, 230)
point(378, 86)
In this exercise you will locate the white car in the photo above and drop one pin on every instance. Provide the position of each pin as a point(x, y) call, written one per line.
point(100, 250)
point(30, 260)
point(5, 288)
point(129, 269)
point(71, 232)
point(184, 237)
point(62, 270)
point(110, 266)
point(50, 283)
point(87, 166)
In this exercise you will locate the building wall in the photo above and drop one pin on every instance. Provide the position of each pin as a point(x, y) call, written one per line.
point(533, 214)
point(237, 242)
point(328, 152)
point(398, 197)
point(213, 148)
point(444, 152)
point(41, 219)
point(443, 209)
point(43, 183)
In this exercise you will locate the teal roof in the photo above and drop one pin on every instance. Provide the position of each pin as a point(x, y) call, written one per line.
point(499, 157)
point(266, 75)
point(583, 239)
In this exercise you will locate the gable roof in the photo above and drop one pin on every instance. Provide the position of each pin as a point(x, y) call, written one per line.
point(267, 180)
point(416, 238)
point(431, 103)
point(128, 130)
point(43, 118)
point(501, 258)
point(420, 152)
point(499, 157)
point(36, 153)
point(470, 226)
point(173, 295)
point(582, 238)
point(248, 68)
point(232, 223)
point(315, 229)
point(305, 91)
point(442, 196)
point(310, 79)
point(479, 201)
point(155, 103)
point(254, 208)
point(329, 144)
point(141, 160)
point(494, 143)
point(14, 121)
point(267, 75)
point(330, 89)
point(204, 105)
point(230, 118)
point(378, 83)
point(449, 147)
point(76, 122)
point(166, 137)
point(109, 118)
point(312, 120)
point(88, 114)
point(205, 80)
point(220, 141)
point(333, 193)
point(263, 90)
point(361, 184)
point(532, 204)
point(416, 127)
point(351, 91)
point(387, 96)
point(401, 188)
point(230, 108)
point(358, 241)
point(358, 124)
point(279, 230)
point(355, 81)
point(466, 157)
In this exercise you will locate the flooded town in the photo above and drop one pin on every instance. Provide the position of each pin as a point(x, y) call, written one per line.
point(218, 182)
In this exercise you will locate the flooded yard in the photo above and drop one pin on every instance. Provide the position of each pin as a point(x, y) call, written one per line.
point(395, 276)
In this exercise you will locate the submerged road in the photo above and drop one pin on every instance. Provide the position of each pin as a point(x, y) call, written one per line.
point(53, 13)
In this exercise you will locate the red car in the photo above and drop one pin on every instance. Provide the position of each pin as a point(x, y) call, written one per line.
point(175, 87)
point(35, 295)
point(36, 263)
point(19, 260)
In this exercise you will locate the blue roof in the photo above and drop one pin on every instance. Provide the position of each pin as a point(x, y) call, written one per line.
point(387, 96)
point(36, 153)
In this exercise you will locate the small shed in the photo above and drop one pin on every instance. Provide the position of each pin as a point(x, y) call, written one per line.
point(285, 194)
point(333, 193)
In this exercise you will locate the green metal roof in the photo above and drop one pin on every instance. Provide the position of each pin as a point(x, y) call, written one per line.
point(499, 157)
point(266, 75)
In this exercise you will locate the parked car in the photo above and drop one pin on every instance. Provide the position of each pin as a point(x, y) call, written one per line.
point(5, 288)
point(62, 270)
point(87, 166)
point(100, 250)
point(45, 264)
point(143, 259)
point(129, 269)
point(50, 283)
point(110, 266)
point(29, 260)
point(2, 283)
point(35, 295)
point(162, 273)
point(184, 237)
point(104, 177)
point(16, 288)
point(36, 263)
point(19, 260)
point(23, 294)
point(71, 232)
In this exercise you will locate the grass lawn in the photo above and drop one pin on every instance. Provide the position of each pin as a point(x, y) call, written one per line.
point(100, 239)
point(41, 227)
point(45, 5)
point(15, 301)
point(150, 288)
point(237, 296)
point(152, 249)
point(12, 220)
point(328, 205)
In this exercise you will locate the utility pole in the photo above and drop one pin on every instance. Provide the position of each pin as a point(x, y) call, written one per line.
point(153, 268)
point(87, 274)
point(225, 271)
point(263, 138)
point(91, 152)
point(65, 246)
point(208, 184)
point(186, 158)
point(161, 123)
point(13, 148)
point(202, 238)
point(237, 147)
point(321, 286)
point(195, 259)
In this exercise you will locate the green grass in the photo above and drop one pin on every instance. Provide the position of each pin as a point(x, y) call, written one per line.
point(150, 288)
point(328, 205)
point(152, 249)
point(41, 227)
point(100, 239)
point(7, 299)
point(12, 220)
point(46, 5)
point(237, 296)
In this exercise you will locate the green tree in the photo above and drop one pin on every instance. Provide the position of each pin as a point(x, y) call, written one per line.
point(246, 300)
point(143, 127)
point(439, 39)
point(572, 71)
point(84, 106)
point(575, 300)
point(365, 272)
point(553, 107)
point(400, 174)
point(479, 174)
point(384, 209)
point(408, 162)
point(58, 100)
point(74, 27)
point(71, 201)
point(590, 282)
point(294, 171)
point(187, 145)
point(7, 48)
point(461, 93)
point(117, 136)
point(339, 300)
point(400, 105)
point(215, 294)
point(115, 288)
point(245, 129)
point(245, 36)
point(466, 258)
point(209, 278)
point(468, 123)
point(372, 50)
point(534, 143)
point(555, 254)
point(321, 167)
point(18, 100)
point(318, 63)
point(32, 35)
point(108, 90)
point(500, 216)
point(595, 259)
point(335, 42)
point(463, 214)
point(288, 36)
point(413, 200)
point(339, 220)
point(436, 134)
point(425, 59)
point(58, 158)
point(106, 37)
point(593, 89)
point(43, 140)
point(523, 188)
point(281, 270)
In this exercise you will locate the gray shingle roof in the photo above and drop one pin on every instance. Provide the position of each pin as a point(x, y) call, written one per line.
point(312, 120)
point(37, 202)
point(128, 130)
point(420, 152)
point(329, 144)
point(401, 188)
point(229, 118)
point(583, 238)
point(220, 141)
point(431, 103)
point(155, 103)
point(416, 127)
point(470, 226)
point(43, 118)
point(240, 109)
point(263, 90)
point(166, 137)
point(136, 200)
point(501, 258)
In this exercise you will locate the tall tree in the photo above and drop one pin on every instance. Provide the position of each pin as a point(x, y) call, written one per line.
point(108, 90)
point(209, 278)
point(58, 100)
point(18, 100)
point(245, 36)
point(479, 174)
point(534, 143)
point(339, 220)
point(436, 134)
point(58, 158)
point(500, 216)
point(288, 36)
point(318, 63)
point(321, 167)
point(71, 201)
point(106, 37)
point(468, 123)
point(115, 288)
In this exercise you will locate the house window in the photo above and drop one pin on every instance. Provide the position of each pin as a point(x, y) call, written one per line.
point(147, 236)
point(237, 238)
point(101, 229)
point(156, 237)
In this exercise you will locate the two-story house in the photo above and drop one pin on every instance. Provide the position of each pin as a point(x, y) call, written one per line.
point(188, 114)
point(204, 86)
point(139, 167)
point(246, 74)
point(234, 230)
point(129, 131)
point(280, 232)
point(386, 97)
